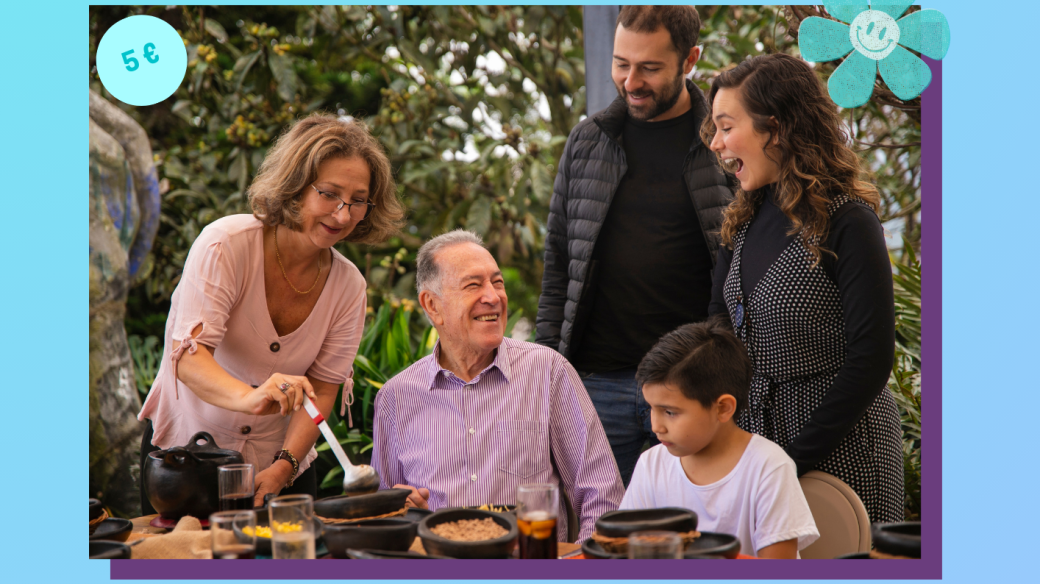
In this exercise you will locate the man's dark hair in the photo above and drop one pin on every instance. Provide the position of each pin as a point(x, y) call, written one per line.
point(682, 22)
point(705, 360)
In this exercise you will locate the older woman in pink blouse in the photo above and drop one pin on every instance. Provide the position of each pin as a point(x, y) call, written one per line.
point(268, 313)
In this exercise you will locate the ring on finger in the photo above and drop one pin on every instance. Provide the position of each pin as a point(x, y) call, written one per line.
point(285, 386)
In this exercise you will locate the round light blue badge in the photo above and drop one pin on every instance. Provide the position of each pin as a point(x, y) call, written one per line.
point(141, 60)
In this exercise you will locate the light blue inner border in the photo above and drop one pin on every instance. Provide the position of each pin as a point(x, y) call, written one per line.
point(989, 315)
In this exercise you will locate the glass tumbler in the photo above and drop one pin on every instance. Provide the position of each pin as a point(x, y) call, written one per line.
point(537, 508)
point(235, 482)
point(292, 527)
point(233, 535)
point(655, 544)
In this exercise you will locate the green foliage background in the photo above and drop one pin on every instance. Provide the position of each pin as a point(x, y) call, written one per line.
point(473, 105)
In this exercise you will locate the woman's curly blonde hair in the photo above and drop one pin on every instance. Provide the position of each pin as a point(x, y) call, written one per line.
point(291, 165)
point(811, 148)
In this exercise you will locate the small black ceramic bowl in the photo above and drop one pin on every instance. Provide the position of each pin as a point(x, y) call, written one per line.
point(384, 555)
point(360, 506)
point(416, 514)
point(593, 551)
point(109, 550)
point(855, 556)
point(499, 547)
point(395, 535)
point(95, 509)
point(897, 539)
point(624, 523)
point(493, 508)
point(714, 544)
point(113, 529)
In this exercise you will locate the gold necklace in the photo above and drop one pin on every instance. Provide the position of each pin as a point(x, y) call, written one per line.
point(278, 256)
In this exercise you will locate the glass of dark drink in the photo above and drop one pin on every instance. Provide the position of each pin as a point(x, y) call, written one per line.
point(537, 509)
point(233, 535)
point(235, 482)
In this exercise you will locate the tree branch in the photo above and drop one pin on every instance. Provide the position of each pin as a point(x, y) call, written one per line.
point(508, 57)
point(420, 190)
point(890, 146)
point(908, 210)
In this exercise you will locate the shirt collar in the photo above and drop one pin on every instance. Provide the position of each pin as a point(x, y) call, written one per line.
point(501, 362)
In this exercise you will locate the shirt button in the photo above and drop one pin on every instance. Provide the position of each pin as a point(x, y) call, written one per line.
point(275, 347)
point(245, 429)
point(473, 478)
point(471, 431)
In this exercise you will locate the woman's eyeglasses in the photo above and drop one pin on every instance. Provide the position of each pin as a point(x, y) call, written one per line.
point(359, 210)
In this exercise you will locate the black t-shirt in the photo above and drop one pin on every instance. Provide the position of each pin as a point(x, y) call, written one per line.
point(651, 270)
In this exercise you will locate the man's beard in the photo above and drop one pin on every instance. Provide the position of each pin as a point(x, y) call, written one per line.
point(659, 103)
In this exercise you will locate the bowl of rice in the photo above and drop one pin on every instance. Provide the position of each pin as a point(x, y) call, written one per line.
point(469, 534)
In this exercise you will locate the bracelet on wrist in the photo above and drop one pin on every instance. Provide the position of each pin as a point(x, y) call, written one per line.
point(284, 454)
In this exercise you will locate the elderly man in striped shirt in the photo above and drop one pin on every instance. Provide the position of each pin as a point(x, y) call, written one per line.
point(483, 413)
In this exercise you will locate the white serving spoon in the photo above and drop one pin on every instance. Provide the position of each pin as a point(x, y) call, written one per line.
point(357, 480)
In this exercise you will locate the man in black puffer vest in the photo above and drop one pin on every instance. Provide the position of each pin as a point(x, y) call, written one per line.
point(633, 223)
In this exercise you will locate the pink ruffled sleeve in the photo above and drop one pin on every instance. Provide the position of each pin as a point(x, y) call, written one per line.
point(205, 295)
point(335, 360)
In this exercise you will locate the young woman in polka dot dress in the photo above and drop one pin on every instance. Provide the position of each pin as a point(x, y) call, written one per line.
point(805, 277)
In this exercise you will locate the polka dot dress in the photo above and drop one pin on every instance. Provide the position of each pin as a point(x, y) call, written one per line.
point(795, 334)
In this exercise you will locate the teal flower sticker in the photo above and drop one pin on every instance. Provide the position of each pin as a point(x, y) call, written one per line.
point(874, 41)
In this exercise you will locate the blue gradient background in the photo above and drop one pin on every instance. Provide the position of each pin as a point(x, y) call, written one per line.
point(989, 146)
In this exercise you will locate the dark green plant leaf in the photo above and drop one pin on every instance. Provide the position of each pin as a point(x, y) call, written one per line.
point(479, 218)
point(282, 69)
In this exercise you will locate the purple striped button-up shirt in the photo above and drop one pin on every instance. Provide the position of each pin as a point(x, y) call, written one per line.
point(526, 418)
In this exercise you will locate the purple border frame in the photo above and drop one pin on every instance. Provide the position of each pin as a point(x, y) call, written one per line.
point(928, 567)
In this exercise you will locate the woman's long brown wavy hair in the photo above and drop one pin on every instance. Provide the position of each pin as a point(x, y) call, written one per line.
point(816, 164)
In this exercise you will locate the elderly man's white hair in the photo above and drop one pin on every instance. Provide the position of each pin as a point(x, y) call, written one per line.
point(427, 273)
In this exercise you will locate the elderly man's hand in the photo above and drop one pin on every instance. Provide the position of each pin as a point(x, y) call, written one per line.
point(418, 497)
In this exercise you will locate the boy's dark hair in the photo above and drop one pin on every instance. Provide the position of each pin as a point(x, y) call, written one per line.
point(682, 22)
point(705, 360)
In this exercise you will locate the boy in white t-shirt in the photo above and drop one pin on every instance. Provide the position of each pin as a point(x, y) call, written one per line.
point(696, 381)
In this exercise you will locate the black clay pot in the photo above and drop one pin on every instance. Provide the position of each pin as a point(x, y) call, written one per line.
point(499, 547)
point(394, 535)
point(897, 539)
point(358, 506)
point(624, 523)
point(183, 480)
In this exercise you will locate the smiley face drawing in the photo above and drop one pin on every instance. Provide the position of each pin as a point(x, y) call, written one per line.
point(874, 34)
